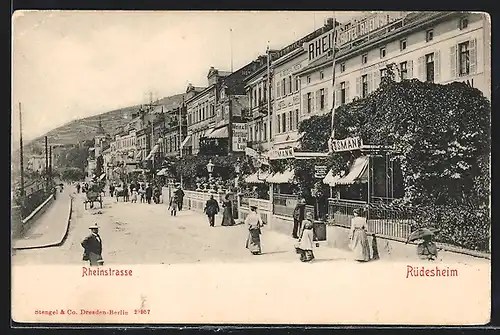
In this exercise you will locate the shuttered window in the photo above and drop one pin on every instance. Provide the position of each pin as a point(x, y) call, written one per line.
point(318, 100)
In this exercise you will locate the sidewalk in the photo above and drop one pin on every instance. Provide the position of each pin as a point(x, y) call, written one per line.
point(50, 228)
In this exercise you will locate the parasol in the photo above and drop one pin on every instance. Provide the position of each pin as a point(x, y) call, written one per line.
point(421, 233)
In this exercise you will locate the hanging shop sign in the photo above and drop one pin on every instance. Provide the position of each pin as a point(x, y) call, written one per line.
point(281, 153)
point(320, 171)
point(347, 144)
point(240, 135)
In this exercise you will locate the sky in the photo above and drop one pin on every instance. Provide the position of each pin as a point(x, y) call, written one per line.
point(72, 64)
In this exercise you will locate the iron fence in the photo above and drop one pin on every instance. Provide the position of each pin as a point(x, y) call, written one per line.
point(284, 204)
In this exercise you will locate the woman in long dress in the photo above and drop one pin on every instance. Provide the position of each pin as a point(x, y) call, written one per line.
point(306, 239)
point(254, 223)
point(227, 215)
point(358, 238)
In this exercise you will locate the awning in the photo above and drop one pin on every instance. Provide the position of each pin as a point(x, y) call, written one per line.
point(162, 172)
point(291, 140)
point(357, 173)
point(257, 177)
point(219, 133)
point(285, 177)
point(101, 177)
point(187, 142)
point(155, 149)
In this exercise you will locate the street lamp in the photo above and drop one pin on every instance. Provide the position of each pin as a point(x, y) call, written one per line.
point(210, 169)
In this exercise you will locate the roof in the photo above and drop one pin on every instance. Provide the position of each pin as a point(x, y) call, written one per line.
point(322, 60)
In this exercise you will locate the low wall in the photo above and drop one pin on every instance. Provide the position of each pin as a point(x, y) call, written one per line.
point(19, 226)
point(196, 201)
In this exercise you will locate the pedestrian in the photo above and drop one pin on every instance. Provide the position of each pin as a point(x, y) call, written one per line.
point(298, 217)
point(125, 192)
point(156, 194)
point(133, 198)
point(427, 250)
point(142, 192)
point(227, 215)
point(211, 210)
point(92, 246)
point(78, 187)
point(111, 189)
point(306, 238)
point(173, 206)
point(180, 196)
point(149, 193)
point(358, 238)
point(254, 225)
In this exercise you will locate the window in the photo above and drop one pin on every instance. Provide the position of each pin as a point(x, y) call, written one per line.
point(463, 58)
point(250, 134)
point(383, 73)
point(364, 86)
point(290, 88)
point(342, 67)
point(297, 118)
point(297, 84)
point(321, 75)
point(429, 35)
point(255, 97)
point(256, 136)
point(283, 121)
point(403, 70)
point(464, 23)
point(308, 79)
point(429, 65)
point(342, 93)
point(260, 95)
point(309, 102)
point(283, 87)
point(322, 98)
point(364, 59)
point(291, 126)
point(402, 44)
point(382, 52)
point(264, 130)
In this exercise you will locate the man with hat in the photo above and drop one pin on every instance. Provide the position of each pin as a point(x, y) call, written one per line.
point(298, 217)
point(92, 246)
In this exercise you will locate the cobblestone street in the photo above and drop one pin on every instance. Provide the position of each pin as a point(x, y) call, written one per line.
point(147, 234)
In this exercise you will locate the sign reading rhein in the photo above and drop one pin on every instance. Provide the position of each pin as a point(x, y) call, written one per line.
point(347, 144)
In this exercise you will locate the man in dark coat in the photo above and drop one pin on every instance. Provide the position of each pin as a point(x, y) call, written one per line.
point(92, 246)
point(298, 217)
point(211, 209)
point(149, 193)
point(180, 196)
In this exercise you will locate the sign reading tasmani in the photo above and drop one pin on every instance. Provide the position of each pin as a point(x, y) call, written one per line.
point(347, 144)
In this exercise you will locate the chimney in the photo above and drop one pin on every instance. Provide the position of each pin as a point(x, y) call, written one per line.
point(329, 22)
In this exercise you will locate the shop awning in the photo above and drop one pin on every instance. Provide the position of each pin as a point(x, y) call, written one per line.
point(257, 177)
point(155, 150)
point(187, 142)
point(219, 133)
point(285, 177)
point(162, 172)
point(357, 173)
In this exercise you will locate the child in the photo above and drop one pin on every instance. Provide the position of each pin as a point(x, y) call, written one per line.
point(305, 245)
point(173, 206)
point(134, 196)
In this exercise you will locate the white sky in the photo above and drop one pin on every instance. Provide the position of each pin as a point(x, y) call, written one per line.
point(69, 65)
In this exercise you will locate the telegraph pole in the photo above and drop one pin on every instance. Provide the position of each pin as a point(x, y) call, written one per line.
point(46, 164)
point(180, 131)
point(21, 152)
point(334, 54)
point(269, 131)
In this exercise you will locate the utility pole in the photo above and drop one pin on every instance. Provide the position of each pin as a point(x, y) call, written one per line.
point(180, 131)
point(50, 162)
point(268, 97)
point(21, 153)
point(231, 46)
point(46, 163)
point(334, 54)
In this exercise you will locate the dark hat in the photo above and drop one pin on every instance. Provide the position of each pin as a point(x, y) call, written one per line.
point(253, 207)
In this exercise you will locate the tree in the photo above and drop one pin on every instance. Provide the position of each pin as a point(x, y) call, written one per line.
point(441, 136)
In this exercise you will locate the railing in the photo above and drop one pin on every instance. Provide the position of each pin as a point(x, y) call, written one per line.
point(284, 204)
point(382, 219)
point(264, 208)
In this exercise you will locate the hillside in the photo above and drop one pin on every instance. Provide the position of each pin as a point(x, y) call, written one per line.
point(86, 129)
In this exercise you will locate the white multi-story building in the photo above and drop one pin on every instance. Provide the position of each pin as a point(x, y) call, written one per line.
point(439, 47)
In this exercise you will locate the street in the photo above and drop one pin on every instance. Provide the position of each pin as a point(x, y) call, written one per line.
point(140, 233)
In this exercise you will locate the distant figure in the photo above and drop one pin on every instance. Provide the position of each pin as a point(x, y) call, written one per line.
point(156, 194)
point(92, 246)
point(358, 238)
point(173, 206)
point(180, 196)
point(298, 217)
point(142, 192)
point(427, 250)
point(111, 189)
point(227, 215)
point(78, 187)
point(149, 193)
point(211, 210)
point(306, 239)
point(133, 198)
point(254, 224)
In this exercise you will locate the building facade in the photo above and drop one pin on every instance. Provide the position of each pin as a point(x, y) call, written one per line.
point(439, 47)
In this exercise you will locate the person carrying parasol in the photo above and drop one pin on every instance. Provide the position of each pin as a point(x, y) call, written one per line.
point(427, 249)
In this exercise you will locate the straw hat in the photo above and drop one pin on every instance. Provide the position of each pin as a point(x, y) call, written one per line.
point(94, 226)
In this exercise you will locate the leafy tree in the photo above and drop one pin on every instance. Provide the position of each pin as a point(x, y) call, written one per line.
point(71, 174)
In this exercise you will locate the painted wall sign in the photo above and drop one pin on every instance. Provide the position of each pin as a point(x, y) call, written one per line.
point(239, 136)
point(347, 144)
point(350, 32)
point(281, 153)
